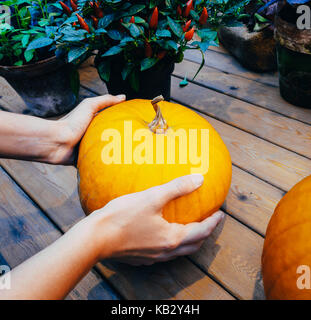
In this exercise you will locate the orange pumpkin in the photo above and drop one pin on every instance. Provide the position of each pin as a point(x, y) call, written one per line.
point(127, 149)
point(287, 246)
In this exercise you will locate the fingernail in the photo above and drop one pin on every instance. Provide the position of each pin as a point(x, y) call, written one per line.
point(121, 96)
point(197, 180)
point(220, 215)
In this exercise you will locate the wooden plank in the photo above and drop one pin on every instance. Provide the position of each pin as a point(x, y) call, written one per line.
point(25, 230)
point(247, 90)
point(58, 180)
point(39, 181)
point(228, 64)
point(271, 163)
point(232, 255)
point(288, 133)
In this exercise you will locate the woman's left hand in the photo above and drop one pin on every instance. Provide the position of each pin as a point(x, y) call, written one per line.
point(72, 127)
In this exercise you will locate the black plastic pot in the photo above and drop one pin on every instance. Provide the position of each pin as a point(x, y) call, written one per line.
point(294, 60)
point(49, 87)
point(152, 82)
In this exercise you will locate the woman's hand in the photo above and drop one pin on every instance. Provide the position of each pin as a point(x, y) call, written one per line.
point(35, 139)
point(131, 228)
point(71, 128)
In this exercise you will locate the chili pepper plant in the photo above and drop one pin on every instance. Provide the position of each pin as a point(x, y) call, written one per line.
point(141, 35)
point(30, 21)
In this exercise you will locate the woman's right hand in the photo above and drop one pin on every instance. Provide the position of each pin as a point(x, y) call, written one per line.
point(131, 228)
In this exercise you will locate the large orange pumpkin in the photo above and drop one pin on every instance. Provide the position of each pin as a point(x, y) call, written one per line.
point(114, 161)
point(287, 246)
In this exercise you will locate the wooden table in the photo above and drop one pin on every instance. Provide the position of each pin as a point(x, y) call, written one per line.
point(270, 145)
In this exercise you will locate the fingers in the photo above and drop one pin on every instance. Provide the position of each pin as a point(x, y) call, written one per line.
point(102, 102)
point(176, 188)
point(201, 230)
point(90, 106)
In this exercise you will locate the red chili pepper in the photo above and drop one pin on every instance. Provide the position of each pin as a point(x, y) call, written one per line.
point(204, 16)
point(74, 24)
point(95, 22)
point(187, 26)
point(189, 34)
point(161, 54)
point(148, 50)
point(66, 9)
point(154, 19)
point(98, 11)
point(132, 19)
point(73, 6)
point(189, 7)
point(179, 11)
point(82, 23)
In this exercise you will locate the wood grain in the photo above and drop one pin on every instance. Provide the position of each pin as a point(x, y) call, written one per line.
point(244, 89)
point(25, 230)
point(65, 211)
point(271, 163)
point(228, 64)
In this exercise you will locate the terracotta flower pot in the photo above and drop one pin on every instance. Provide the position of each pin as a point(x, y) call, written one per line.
point(254, 50)
point(49, 87)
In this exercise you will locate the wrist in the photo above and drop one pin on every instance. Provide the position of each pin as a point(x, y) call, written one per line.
point(59, 136)
point(103, 235)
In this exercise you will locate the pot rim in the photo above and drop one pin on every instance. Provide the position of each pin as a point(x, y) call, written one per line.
point(32, 70)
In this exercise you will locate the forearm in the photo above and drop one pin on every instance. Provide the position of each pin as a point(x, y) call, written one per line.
point(28, 138)
point(53, 273)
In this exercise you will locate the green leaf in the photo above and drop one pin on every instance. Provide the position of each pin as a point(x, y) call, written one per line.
point(112, 51)
point(104, 69)
point(147, 63)
point(76, 53)
point(126, 71)
point(134, 30)
point(163, 33)
point(134, 80)
point(184, 82)
point(39, 43)
point(175, 27)
point(28, 55)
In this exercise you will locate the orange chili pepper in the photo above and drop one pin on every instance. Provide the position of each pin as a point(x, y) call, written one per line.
point(161, 54)
point(187, 26)
point(179, 11)
point(66, 9)
point(73, 5)
point(82, 23)
point(148, 50)
point(189, 7)
point(204, 16)
point(98, 11)
point(95, 22)
point(154, 19)
point(189, 34)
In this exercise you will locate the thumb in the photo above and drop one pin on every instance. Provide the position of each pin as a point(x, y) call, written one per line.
point(176, 188)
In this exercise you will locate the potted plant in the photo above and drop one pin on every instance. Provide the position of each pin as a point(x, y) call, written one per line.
point(294, 53)
point(137, 43)
point(252, 42)
point(28, 62)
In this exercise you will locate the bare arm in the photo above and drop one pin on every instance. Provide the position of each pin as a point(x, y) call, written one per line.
point(112, 232)
point(31, 138)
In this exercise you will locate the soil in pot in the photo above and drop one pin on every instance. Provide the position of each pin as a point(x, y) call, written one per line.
point(294, 58)
point(49, 87)
point(151, 82)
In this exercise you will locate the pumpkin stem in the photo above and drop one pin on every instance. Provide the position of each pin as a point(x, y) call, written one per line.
point(158, 125)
